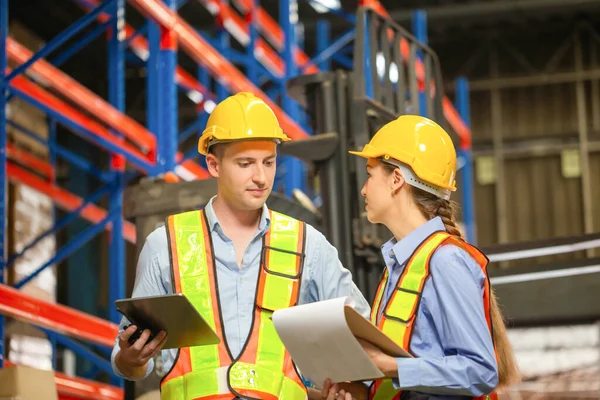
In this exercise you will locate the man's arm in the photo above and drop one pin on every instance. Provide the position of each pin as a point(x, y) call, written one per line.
point(329, 278)
point(149, 282)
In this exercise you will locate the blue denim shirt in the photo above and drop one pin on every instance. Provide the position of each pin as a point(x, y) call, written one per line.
point(454, 353)
point(323, 278)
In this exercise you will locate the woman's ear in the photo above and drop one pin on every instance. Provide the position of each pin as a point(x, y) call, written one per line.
point(397, 180)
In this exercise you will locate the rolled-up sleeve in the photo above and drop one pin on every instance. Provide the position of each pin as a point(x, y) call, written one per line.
point(148, 282)
point(329, 279)
point(453, 296)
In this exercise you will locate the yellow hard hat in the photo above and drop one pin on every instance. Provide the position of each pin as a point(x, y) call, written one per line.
point(242, 116)
point(420, 144)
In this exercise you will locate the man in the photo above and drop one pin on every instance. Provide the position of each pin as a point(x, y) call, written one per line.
point(237, 262)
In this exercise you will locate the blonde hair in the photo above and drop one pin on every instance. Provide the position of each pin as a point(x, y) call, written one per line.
point(432, 206)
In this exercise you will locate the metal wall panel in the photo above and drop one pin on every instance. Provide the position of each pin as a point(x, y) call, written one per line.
point(536, 134)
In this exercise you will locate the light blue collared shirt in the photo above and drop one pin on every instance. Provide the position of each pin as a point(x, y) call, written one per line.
point(323, 278)
point(454, 353)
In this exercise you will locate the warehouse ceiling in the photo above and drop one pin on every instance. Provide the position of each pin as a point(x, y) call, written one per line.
point(444, 16)
point(451, 23)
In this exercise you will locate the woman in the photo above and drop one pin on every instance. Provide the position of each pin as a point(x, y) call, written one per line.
point(435, 298)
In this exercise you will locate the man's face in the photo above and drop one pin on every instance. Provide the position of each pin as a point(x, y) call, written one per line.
point(246, 172)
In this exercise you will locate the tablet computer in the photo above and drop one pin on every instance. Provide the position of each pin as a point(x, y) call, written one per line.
point(172, 313)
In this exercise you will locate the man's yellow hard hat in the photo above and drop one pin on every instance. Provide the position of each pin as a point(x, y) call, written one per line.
point(419, 143)
point(242, 116)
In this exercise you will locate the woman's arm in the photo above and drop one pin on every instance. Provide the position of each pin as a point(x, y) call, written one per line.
point(453, 297)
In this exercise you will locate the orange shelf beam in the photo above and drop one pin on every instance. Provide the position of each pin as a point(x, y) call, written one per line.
point(34, 91)
point(274, 34)
point(204, 54)
point(56, 317)
point(26, 159)
point(140, 46)
point(64, 199)
point(70, 387)
point(86, 99)
point(71, 89)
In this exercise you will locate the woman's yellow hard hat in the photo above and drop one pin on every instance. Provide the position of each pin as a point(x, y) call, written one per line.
point(419, 143)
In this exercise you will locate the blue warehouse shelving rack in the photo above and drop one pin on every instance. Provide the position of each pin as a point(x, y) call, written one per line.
point(271, 57)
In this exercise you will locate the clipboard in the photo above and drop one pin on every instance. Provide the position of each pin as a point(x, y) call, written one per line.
point(322, 338)
point(172, 313)
point(362, 328)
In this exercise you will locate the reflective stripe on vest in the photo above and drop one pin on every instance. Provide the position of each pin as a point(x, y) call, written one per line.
point(263, 369)
point(397, 318)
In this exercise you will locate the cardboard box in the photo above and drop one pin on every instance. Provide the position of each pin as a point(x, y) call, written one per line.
point(26, 383)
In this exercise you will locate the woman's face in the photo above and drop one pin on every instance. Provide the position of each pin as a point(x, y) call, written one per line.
point(377, 191)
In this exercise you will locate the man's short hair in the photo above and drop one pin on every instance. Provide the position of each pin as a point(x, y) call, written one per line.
point(217, 149)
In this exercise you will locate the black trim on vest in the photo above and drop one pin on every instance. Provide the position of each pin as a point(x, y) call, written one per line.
point(218, 297)
point(381, 278)
point(170, 253)
point(301, 271)
point(265, 267)
point(404, 395)
point(250, 332)
point(297, 298)
point(174, 290)
point(262, 266)
point(419, 297)
point(406, 264)
point(170, 370)
point(214, 266)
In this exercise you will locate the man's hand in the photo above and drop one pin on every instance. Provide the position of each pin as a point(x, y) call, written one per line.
point(332, 391)
point(132, 359)
point(339, 391)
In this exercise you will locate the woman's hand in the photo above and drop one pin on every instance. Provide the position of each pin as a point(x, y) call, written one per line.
point(386, 364)
point(339, 391)
point(332, 391)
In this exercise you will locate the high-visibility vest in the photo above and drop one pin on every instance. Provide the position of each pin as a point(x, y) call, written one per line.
point(397, 317)
point(264, 369)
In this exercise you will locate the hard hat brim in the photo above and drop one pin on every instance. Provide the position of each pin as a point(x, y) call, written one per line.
point(367, 152)
point(203, 145)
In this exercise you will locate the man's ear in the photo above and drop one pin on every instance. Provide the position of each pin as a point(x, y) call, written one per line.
point(212, 163)
point(397, 180)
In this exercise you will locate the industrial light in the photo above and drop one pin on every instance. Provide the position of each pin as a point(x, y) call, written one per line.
point(393, 72)
point(209, 106)
point(380, 66)
point(195, 96)
point(324, 6)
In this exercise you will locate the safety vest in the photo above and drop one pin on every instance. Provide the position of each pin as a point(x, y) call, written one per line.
point(397, 317)
point(264, 369)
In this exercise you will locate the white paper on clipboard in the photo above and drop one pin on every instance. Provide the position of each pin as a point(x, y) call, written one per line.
point(322, 340)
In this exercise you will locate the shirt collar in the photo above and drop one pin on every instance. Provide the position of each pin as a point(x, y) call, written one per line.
point(396, 253)
point(213, 221)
